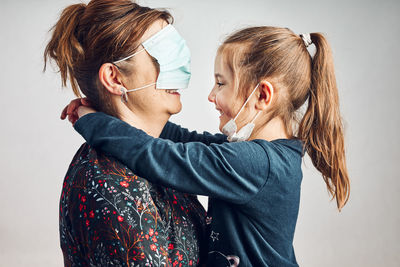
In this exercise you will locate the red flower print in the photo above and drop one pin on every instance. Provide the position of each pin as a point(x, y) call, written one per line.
point(124, 183)
point(101, 217)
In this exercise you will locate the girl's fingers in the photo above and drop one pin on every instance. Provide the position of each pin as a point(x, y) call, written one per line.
point(72, 108)
point(64, 113)
point(70, 118)
point(73, 117)
point(73, 105)
point(76, 109)
point(85, 102)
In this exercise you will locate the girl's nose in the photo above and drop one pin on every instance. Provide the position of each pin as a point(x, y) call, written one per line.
point(211, 96)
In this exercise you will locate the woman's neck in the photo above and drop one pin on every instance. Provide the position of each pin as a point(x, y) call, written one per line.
point(152, 124)
point(274, 129)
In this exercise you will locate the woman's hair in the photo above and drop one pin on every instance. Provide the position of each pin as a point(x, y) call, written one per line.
point(87, 36)
point(279, 55)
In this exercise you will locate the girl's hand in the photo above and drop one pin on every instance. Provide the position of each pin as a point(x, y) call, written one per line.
point(83, 110)
point(72, 109)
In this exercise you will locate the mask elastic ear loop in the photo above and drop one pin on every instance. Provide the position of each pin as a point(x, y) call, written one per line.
point(124, 92)
point(139, 88)
point(247, 100)
point(128, 57)
point(258, 113)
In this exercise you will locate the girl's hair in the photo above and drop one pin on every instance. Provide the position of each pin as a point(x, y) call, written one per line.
point(87, 36)
point(279, 55)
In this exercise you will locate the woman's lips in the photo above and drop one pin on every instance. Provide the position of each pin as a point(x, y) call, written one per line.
point(173, 92)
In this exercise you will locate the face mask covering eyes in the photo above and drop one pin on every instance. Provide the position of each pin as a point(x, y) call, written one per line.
point(173, 56)
point(244, 133)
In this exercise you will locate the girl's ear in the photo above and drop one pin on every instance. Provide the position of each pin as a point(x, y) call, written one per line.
point(110, 78)
point(266, 93)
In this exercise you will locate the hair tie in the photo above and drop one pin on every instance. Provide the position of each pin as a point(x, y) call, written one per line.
point(306, 39)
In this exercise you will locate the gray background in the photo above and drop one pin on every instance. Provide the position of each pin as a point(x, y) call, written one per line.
point(37, 147)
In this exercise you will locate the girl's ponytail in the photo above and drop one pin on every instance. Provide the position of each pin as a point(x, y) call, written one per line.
point(321, 128)
point(64, 47)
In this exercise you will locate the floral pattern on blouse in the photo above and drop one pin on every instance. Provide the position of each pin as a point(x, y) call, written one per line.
point(111, 217)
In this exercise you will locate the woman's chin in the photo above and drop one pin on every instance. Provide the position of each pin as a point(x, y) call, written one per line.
point(176, 109)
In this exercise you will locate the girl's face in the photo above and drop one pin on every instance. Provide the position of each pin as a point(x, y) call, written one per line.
point(145, 71)
point(223, 94)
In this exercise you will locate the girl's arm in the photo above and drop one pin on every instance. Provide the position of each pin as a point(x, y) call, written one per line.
point(176, 133)
point(234, 172)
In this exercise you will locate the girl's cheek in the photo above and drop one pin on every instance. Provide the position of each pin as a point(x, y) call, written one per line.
point(220, 101)
point(226, 106)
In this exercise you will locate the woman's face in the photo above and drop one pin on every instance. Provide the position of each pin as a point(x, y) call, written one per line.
point(150, 99)
point(223, 94)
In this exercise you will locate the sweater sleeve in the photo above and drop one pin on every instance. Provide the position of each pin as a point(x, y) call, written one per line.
point(233, 172)
point(176, 133)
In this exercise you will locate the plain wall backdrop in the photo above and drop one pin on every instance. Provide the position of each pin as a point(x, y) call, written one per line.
point(37, 147)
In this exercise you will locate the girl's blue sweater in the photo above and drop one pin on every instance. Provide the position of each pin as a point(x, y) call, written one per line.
point(254, 186)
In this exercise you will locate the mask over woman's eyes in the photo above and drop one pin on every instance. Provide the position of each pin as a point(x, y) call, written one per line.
point(172, 54)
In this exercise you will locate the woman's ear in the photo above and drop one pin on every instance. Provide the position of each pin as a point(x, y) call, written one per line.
point(266, 93)
point(110, 78)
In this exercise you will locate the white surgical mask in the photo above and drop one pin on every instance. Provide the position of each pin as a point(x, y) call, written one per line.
point(244, 133)
point(172, 54)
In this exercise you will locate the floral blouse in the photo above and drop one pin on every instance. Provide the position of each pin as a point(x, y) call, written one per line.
point(111, 217)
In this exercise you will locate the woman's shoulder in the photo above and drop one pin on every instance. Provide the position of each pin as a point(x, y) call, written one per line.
point(91, 167)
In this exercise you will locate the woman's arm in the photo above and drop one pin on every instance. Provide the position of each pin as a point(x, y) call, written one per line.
point(176, 133)
point(231, 171)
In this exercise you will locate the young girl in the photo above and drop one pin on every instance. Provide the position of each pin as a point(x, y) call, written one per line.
point(263, 75)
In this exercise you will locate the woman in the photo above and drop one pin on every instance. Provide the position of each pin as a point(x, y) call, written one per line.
point(263, 75)
point(108, 215)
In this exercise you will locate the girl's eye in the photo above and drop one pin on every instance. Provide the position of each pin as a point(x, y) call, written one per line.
point(220, 84)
